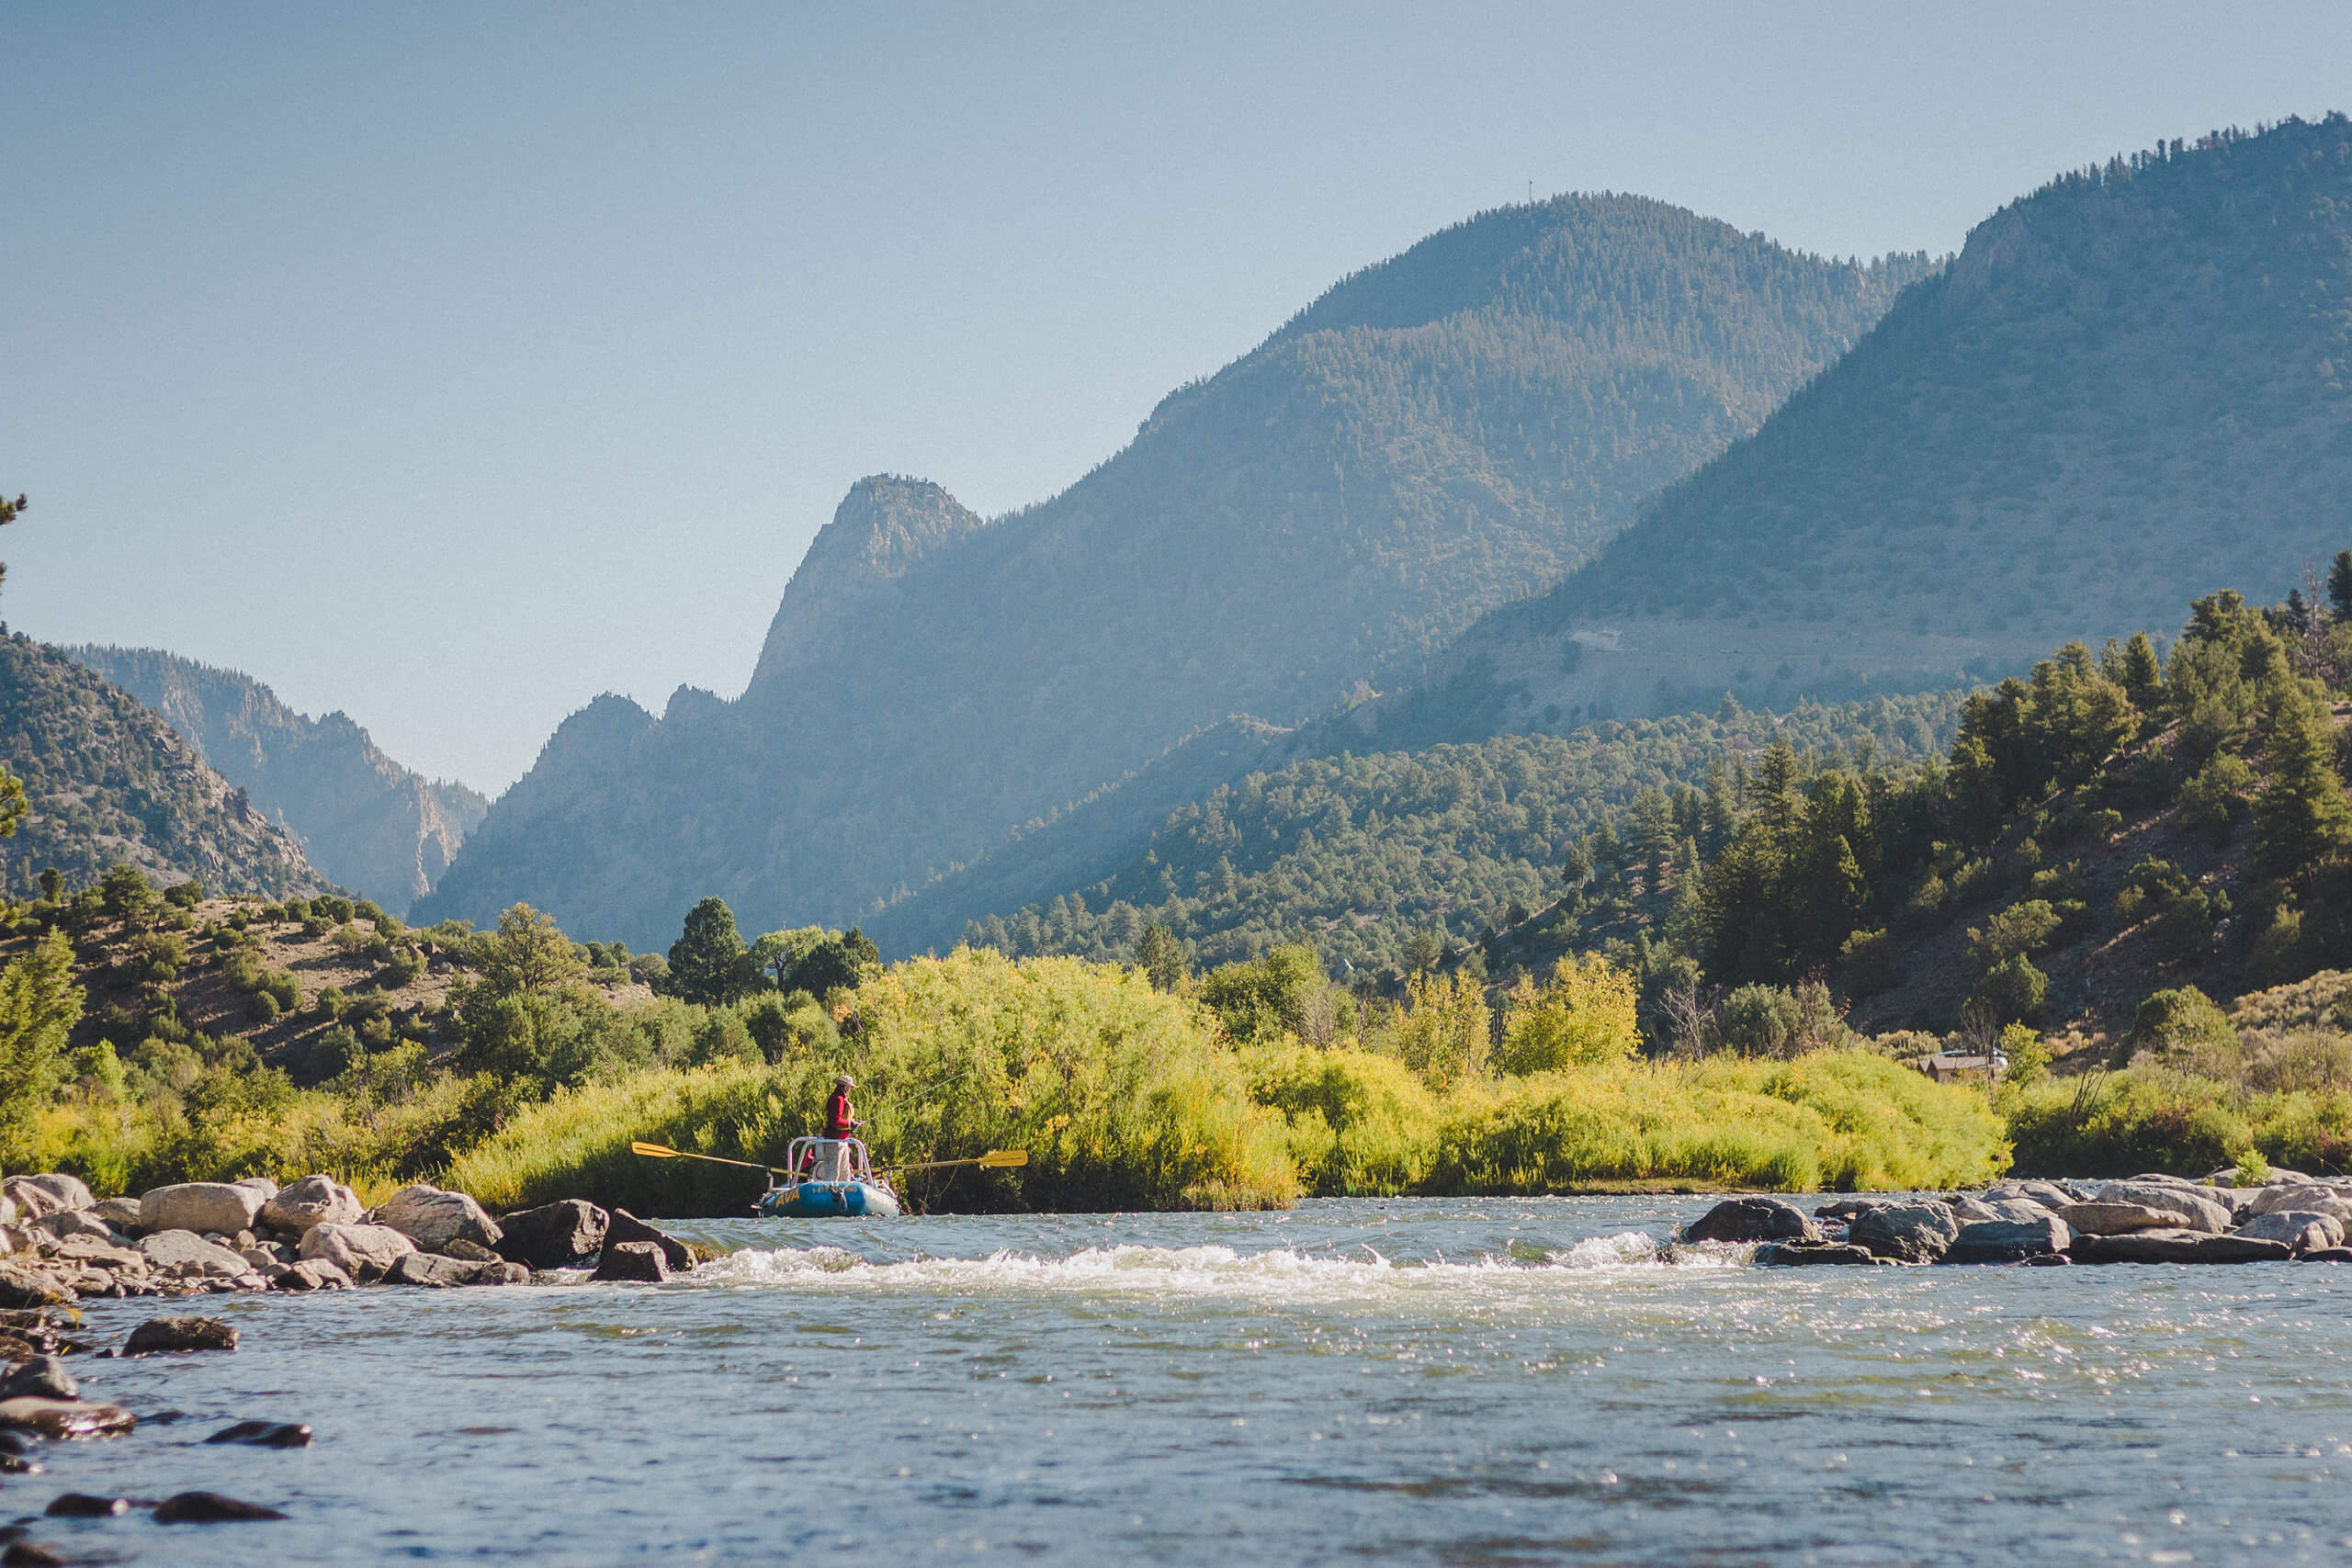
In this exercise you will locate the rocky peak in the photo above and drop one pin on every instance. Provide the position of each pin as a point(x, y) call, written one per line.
point(884, 526)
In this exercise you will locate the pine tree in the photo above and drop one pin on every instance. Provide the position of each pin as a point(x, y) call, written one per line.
point(2303, 817)
point(708, 963)
point(1162, 956)
point(2339, 585)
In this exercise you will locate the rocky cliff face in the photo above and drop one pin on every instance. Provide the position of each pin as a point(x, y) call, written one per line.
point(108, 783)
point(365, 821)
point(1439, 434)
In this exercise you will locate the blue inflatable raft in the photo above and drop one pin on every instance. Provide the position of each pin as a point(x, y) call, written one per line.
point(828, 1178)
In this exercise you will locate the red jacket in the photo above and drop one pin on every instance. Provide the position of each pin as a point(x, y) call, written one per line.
point(839, 1118)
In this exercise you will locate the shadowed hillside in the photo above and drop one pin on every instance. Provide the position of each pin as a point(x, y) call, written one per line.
point(363, 819)
point(108, 783)
point(2133, 383)
point(1437, 434)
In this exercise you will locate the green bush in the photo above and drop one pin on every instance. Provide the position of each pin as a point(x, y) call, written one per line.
point(2012, 991)
point(264, 1008)
point(2217, 799)
point(2181, 1023)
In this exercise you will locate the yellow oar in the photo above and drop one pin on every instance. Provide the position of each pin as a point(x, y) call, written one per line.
point(995, 1159)
point(655, 1151)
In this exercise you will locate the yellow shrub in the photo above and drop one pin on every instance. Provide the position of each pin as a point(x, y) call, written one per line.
point(1583, 1018)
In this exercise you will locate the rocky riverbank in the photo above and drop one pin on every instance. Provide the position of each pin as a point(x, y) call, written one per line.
point(2145, 1218)
point(59, 1244)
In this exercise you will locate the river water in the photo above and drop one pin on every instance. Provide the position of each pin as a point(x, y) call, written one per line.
point(1475, 1382)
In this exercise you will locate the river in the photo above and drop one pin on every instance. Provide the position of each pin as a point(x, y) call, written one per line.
point(1469, 1381)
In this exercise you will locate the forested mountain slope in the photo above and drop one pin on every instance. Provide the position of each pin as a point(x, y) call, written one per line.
point(1356, 856)
point(1437, 434)
point(108, 783)
point(2131, 383)
point(363, 819)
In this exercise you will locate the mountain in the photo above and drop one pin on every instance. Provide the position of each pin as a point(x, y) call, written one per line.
point(363, 819)
point(109, 783)
point(2130, 384)
point(1435, 436)
point(1356, 856)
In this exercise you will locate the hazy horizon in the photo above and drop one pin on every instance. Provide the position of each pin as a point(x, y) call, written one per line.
point(449, 368)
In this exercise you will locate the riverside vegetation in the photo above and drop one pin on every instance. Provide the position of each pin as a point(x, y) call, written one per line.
point(274, 1040)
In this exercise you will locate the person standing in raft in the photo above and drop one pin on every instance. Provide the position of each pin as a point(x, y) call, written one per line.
point(841, 1123)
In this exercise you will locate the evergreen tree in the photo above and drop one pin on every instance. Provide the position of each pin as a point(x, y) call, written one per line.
point(527, 955)
point(2303, 817)
point(2339, 585)
point(708, 963)
point(1162, 957)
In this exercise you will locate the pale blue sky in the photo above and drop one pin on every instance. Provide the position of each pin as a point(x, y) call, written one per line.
point(452, 364)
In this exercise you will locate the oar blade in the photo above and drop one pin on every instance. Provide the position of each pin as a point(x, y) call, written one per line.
point(1002, 1159)
point(653, 1151)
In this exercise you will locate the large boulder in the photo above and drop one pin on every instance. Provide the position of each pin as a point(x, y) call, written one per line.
point(2120, 1219)
point(363, 1252)
point(313, 1200)
point(2177, 1247)
point(184, 1255)
point(625, 1226)
point(435, 1271)
point(554, 1236)
point(46, 1194)
point(2196, 1205)
point(2295, 1228)
point(433, 1218)
point(1971, 1211)
point(2310, 1195)
point(310, 1274)
point(223, 1208)
point(2049, 1194)
point(636, 1261)
point(68, 1222)
point(1909, 1233)
point(1752, 1219)
point(2009, 1241)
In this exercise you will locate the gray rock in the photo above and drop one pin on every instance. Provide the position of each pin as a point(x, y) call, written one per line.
point(2294, 1227)
point(160, 1334)
point(2120, 1219)
point(638, 1261)
point(554, 1236)
point(123, 1213)
point(2194, 1204)
point(220, 1207)
point(2049, 1194)
point(184, 1255)
point(88, 1252)
point(43, 1376)
point(261, 1184)
point(208, 1507)
point(265, 1434)
point(313, 1200)
point(472, 1252)
point(310, 1274)
point(2309, 1195)
point(83, 1506)
point(1911, 1232)
point(1795, 1254)
point(436, 1271)
point(1752, 1219)
point(2009, 1241)
point(61, 1420)
point(625, 1226)
point(433, 1218)
point(2328, 1254)
point(68, 1222)
point(2177, 1247)
point(37, 1195)
point(23, 1286)
point(362, 1252)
